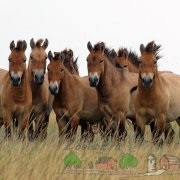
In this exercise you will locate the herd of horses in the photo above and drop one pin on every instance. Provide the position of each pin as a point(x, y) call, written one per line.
point(121, 86)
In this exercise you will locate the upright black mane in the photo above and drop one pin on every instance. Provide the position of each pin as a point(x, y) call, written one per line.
point(109, 53)
point(134, 58)
point(151, 47)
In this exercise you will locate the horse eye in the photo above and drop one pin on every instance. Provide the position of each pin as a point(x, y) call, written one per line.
point(155, 62)
point(24, 60)
point(48, 69)
point(31, 57)
point(45, 57)
point(10, 60)
point(125, 66)
point(62, 70)
point(101, 61)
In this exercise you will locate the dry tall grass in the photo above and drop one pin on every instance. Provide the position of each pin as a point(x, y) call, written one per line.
point(44, 160)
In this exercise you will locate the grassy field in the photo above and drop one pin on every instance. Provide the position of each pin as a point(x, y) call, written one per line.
point(44, 160)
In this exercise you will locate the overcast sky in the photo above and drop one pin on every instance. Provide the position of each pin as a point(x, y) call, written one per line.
point(72, 23)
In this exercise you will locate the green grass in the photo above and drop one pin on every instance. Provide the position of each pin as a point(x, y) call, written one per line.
point(44, 160)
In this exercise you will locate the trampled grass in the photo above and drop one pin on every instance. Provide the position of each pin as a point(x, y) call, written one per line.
point(44, 160)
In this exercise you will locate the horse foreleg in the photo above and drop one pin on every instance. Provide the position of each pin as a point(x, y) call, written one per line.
point(30, 127)
point(86, 131)
point(140, 128)
point(1, 122)
point(7, 123)
point(74, 121)
point(169, 133)
point(160, 123)
point(22, 124)
point(44, 126)
point(122, 130)
point(63, 126)
point(178, 122)
point(38, 124)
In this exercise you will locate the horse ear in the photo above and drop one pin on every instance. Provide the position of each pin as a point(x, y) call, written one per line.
point(12, 45)
point(32, 43)
point(89, 46)
point(50, 55)
point(102, 47)
point(24, 45)
point(45, 44)
point(125, 53)
point(113, 53)
point(70, 53)
point(62, 57)
point(142, 48)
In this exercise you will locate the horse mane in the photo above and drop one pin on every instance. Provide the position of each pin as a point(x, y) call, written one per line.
point(75, 65)
point(130, 55)
point(57, 56)
point(109, 53)
point(19, 45)
point(151, 47)
point(134, 58)
point(74, 61)
point(39, 42)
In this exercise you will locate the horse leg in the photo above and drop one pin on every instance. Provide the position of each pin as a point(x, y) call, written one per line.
point(178, 122)
point(63, 126)
point(38, 124)
point(86, 132)
point(22, 125)
point(160, 123)
point(169, 133)
point(140, 128)
point(30, 126)
point(1, 122)
point(7, 123)
point(74, 125)
point(44, 126)
point(122, 130)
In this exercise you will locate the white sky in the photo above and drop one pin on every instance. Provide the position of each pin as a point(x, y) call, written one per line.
point(72, 23)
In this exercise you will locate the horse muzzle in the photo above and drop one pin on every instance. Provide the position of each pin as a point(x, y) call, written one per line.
point(147, 82)
point(93, 80)
point(39, 79)
point(16, 79)
point(54, 88)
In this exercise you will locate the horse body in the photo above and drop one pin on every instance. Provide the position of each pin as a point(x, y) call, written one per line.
point(16, 97)
point(74, 100)
point(39, 86)
point(113, 87)
point(173, 83)
point(2, 74)
point(152, 96)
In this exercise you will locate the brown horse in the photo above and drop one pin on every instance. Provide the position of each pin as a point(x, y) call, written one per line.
point(16, 96)
point(113, 87)
point(75, 102)
point(2, 74)
point(121, 62)
point(69, 61)
point(152, 96)
point(40, 88)
point(127, 60)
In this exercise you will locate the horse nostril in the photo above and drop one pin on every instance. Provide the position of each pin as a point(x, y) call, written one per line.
point(35, 76)
point(18, 79)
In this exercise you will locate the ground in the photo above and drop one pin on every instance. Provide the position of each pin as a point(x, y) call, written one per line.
point(44, 160)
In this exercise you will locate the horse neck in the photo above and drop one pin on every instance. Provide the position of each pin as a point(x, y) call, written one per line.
point(150, 92)
point(19, 92)
point(66, 86)
point(132, 67)
point(30, 76)
point(109, 78)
